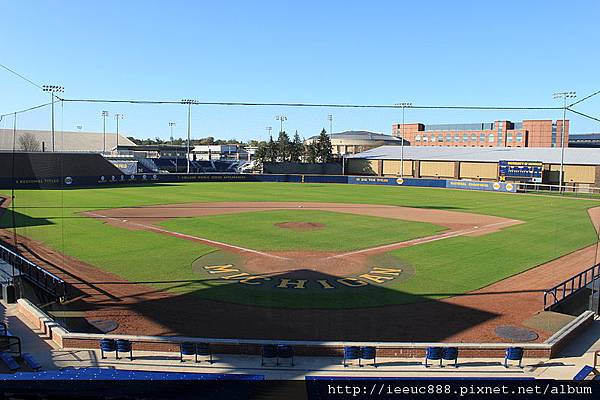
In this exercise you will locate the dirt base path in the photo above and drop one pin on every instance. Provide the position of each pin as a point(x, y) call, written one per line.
point(472, 317)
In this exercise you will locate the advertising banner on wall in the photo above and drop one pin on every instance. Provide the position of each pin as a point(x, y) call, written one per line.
point(476, 185)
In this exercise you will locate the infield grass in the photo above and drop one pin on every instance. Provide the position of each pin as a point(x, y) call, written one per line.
point(340, 231)
point(553, 227)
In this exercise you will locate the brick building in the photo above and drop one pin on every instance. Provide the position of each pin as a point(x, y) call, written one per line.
point(528, 133)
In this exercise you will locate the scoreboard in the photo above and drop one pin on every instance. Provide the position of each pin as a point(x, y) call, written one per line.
point(522, 170)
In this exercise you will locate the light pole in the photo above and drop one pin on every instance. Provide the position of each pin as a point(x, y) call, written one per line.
point(171, 125)
point(269, 129)
point(403, 105)
point(281, 118)
point(189, 102)
point(117, 118)
point(330, 119)
point(104, 115)
point(53, 89)
point(564, 96)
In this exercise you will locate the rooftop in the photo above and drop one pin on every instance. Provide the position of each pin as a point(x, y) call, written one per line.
point(64, 140)
point(574, 156)
point(361, 135)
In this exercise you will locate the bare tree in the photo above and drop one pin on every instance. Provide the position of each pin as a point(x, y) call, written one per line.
point(28, 142)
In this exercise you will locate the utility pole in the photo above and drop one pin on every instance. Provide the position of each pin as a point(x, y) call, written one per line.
point(189, 102)
point(53, 89)
point(403, 105)
point(171, 125)
point(104, 115)
point(117, 118)
point(564, 96)
point(330, 119)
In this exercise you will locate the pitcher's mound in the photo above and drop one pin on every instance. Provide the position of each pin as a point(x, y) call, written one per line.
point(300, 226)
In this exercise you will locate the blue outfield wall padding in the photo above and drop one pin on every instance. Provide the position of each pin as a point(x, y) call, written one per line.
point(379, 180)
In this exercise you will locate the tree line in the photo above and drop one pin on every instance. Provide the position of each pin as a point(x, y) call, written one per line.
point(295, 150)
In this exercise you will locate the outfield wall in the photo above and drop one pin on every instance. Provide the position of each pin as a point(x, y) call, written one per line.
point(137, 179)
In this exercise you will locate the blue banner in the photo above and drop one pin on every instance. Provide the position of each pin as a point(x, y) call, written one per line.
point(477, 185)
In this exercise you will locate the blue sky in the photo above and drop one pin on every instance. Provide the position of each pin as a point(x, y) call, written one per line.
point(378, 52)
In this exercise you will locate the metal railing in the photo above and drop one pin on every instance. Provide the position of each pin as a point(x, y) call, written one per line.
point(45, 280)
point(560, 190)
point(560, 292)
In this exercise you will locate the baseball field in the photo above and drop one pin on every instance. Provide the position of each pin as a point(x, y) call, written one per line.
point(285, 247)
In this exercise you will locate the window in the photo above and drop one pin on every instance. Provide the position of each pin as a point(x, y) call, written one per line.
point(425, 138)
point(509, 137)
point(519, 137)
point(418, 138)
point(456, 137)
point(448, 137)
point(482, 137)
point(465, 137)
point(440, 137)
point(491, 138)
point(473, 137)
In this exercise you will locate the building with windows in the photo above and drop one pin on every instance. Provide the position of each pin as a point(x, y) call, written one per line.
point(352, 142)
point(585, 140)
point(527, 133)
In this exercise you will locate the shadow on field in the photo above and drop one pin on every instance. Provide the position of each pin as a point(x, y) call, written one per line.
point(215, 311)
point(20, 220)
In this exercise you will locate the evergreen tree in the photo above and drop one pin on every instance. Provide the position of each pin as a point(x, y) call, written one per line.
point(324, 150)
point(312, 152)
point(296, 149)
point(272, 151)
point(284, 147)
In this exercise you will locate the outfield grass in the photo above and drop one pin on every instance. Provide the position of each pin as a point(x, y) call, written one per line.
point(554, 226)
point(341, 231)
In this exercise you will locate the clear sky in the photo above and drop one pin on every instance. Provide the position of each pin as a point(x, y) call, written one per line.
point(366, 52)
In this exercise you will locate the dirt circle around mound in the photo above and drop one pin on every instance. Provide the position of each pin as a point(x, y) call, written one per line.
point(300, 226)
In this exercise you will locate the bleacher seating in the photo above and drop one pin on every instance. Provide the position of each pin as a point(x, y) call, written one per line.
point(585, 373)
point(31, 362)
point(450, 354)
point(109, 374)
point(351, 353)
point(369, 353)
point(269, 351)
point(108, 346)
point(124, 346)
point(187, 349)
point(9, 361)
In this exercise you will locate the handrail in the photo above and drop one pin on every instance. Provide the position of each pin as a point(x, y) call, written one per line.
point(571, 285)
point(36, 274)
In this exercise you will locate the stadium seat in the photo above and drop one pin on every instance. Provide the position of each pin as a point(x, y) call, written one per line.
point(3, 329)
point(351, 353)
point(124, 346)
point(285, 352)
point(10, 362)
point(513, 354)
point(107, 346)
point(203, 349)
point(433, 354)
point(187, 349)
point(31, 362)
point(450, 354)
point(369, 353)
point(268, 351)
point(584, 373)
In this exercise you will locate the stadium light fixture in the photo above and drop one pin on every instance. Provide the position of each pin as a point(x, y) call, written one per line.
point(53, 89)
point(281, 118)
point(269, 129)
point(117, 118)
point(104, 115)
point(330, 119)
point(404, 105)
point(189, 102)
point(564, 96)
point(171, 125)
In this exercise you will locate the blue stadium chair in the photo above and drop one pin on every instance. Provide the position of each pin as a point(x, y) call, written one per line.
point(203, 349)
point(9, 360)
point(351, 353)
point(124, 346)
point(433, 354)
point(187, 349)
point(3, 329)
point(268, 351)
point(450, 354)
point(369, 353)
point(513, 354)
point(107, 346)
point(31, 362)
point(285, 352)
point(584, 373)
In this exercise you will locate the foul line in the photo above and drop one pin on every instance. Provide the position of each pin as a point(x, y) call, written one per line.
point(427, 239)
point(183, 235)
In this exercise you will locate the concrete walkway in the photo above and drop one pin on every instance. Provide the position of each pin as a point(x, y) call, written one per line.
point(572, 359)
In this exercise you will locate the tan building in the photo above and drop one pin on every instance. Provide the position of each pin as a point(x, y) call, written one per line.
point(352, 142)
point(528, 133)
point(63, 140)
point(581, 165)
